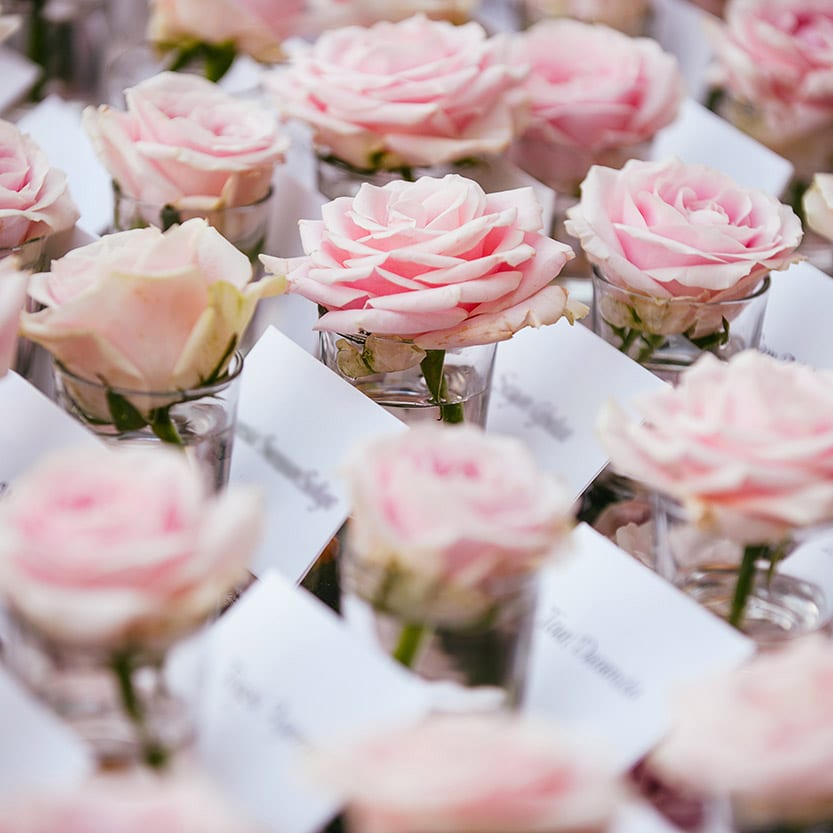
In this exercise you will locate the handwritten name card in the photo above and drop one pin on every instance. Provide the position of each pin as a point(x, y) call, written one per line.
point(297, 420)
point(548, 388)
point(612, 643)
point(797, 321)
point(284, 675)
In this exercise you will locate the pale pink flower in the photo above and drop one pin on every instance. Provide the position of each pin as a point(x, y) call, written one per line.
point(414, 93)
point(745, 445)
point(185, 142)
point(436, 261)
point(109, 548)
point(473, 775)
point(34, 200)
point(12, 298)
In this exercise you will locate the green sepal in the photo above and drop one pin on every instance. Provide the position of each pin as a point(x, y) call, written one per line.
point(169, 216)
point(125, 415)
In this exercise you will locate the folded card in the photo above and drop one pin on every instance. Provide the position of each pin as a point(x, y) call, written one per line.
point(613, 642)
point(38, 750)
point(548, 388)
point(283, 675)
point(797, 321)
point(296, 422)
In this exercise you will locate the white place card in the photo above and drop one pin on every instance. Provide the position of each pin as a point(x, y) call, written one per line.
point(18, 74)
point(283, 675)
point(797, 321)
point(32, 426)
point(548, 388)
point(55, 125)
point(812, 561)
point(681, 28)
point(38, 750)
point(699, 136)
point(297, 420)
point(613, 642)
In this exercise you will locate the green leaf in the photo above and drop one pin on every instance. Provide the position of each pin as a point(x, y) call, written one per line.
point(124, 414)
point(164, 427)
point(715, 98)
point(432, 372)
point(169, 216)
point(218, 60)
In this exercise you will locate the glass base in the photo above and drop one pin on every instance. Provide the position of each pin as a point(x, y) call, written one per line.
point(783, 607)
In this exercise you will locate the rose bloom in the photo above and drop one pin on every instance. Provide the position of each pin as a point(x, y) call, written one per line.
point(112, 548)
point(12, 297)
point(777, 55)
point(762, 735)
point(669, 230)
point(145, 310)
point(124, 804)
point(34, 200)
point(418, 92)
point(435, 261)
point(592, 90)
point(256, 27)
point(494, 774)
point(185, 142)
point(452, 507)
point(818, 205)
point(746, 446)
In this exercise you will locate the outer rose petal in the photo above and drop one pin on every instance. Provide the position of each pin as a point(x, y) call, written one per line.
point(818, 205)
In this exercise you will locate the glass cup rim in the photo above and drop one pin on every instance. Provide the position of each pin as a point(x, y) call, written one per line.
point(686, 300)
point(360, 338)
point(233, 372)
point(119, 194)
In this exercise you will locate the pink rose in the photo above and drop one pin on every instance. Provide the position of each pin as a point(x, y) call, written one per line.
point(435, 261)
point(34, 201)
point(478, 774)
point(124, 804)
point(146, 310)
point(113, 548)
point(746, 446)
point(671, 231)
point(185, 142)
point(452, 507)
point(592, 89)
point(762, 735)
point(12, 297)
point(778, 56)
point(256, 27)
point(419, 92)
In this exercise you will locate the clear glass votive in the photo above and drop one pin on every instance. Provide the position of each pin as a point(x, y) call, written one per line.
point(201, 420)
point(666, 335)
point(467, 378)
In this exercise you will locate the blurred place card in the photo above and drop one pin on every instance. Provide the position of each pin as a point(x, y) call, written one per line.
point(38, 750)
point(812, 561)
point(699, 136)
point(549, 386)
point(797, 320)
point(18, 74)
point(283, 674)
point(681, 28)
point(56, 126)
point(297, 420)
point(30, 426)
point(613, 642)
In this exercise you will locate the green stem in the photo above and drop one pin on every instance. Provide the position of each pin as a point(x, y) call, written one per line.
point(154, 753)
point(432, 371)
point(745, 582)
point(164, 427)
point(628, 340)
point(410, 639)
